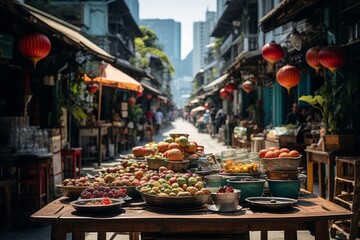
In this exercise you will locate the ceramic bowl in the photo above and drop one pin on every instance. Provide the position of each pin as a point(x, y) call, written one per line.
point(226, 202)
point(249, 187)
point(284, 188)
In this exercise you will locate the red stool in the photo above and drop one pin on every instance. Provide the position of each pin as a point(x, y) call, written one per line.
point(75, 163)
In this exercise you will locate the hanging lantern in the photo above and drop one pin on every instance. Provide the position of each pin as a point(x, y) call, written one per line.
point(288, 76)
point(92, 88)
point(247, 86)
point(131, 101)
point(139, 94)
point(230, 87)
point(332, 57)
point(312, 58)
point(149, 96)
point(272, 52)
point(34, 46)
point(223, 93)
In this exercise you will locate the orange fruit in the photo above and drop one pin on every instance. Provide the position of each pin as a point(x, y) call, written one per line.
point(284, 154)
point(272, 148)
point(262, 153)
point(285, 150)
point(294, 153)
point(277, 152)
point(270, 154)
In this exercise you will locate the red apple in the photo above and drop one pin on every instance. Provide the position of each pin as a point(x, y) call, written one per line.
point(172, 180)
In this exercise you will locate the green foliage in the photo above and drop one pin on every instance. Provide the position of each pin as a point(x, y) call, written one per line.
point(146, 46)
point(336, 104)
point(135, 113)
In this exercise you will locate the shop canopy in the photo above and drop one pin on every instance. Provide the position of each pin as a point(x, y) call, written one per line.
point(113, 77)
point(216, 83)
point(198, 109)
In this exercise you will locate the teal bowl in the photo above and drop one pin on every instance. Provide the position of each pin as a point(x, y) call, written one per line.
point(249, 188)
point(284, 188)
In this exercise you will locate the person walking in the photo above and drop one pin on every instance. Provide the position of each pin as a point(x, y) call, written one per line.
point(293, 116)
point(158, 117)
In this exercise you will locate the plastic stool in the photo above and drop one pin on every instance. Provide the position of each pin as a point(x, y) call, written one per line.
point(75, 163)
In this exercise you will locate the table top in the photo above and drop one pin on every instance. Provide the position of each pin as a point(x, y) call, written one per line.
point(309, 207)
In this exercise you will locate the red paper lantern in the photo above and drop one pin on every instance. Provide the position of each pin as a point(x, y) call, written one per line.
point(247, 86)
point(272, 52)
point(230, 87)
point(92, 88)
point(139, 94)
point(34, 46)
point(148, 96)
point(131, 101)
point(332, 57)
point(288, 76)
point(223, 93)
point(312, 58)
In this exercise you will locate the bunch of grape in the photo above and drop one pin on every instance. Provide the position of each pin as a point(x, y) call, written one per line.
point(103, 191)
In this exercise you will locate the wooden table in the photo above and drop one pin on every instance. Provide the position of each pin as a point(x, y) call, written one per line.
point(321, 158)
point(310, 213)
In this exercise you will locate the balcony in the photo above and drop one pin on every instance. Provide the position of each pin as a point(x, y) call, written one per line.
point(226, 45)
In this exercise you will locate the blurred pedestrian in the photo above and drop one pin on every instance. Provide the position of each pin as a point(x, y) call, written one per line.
point(159, 117)
point(293, 116)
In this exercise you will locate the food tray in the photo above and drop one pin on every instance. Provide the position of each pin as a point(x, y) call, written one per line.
point(80, 205)
point(271, 202)
point(174, 202)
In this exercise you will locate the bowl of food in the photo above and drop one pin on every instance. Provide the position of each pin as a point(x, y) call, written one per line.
point(217, 180)
point(155, 162)
point(226, 199)
point(250, 187)
point(72, 192)
point(173, 197)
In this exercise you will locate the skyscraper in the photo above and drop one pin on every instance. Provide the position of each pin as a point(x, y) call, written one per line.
point(168, 32)
point(201, 35)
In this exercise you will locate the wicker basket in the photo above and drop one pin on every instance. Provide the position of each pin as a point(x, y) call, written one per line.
point(154, 163)
point(177, 166)
point(281, 164)
point(72, 192)
point(283, 175)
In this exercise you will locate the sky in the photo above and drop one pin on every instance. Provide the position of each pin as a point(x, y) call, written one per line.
point(184, 11)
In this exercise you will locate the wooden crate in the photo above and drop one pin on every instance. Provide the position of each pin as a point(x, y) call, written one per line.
point(342, 143)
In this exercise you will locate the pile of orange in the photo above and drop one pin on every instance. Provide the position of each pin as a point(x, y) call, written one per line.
point(273, 152)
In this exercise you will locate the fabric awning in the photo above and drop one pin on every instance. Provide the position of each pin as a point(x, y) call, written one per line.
point(113, 77)
point(70, 33)
point(216, 82)
point(150, 88)
point(198, 109)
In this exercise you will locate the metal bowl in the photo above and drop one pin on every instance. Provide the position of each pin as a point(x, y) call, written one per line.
point(225, 202)
point(174, 202)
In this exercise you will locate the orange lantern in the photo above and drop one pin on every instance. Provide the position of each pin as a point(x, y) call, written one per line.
point(34, 46)
point(131, 101)
point(230, 87)
point(288, 76)
point(272, 52)
point(92, 88)
point(332, 57)
point(247, 86)
point(139, 94)
point(312, 58)
point(223, 93)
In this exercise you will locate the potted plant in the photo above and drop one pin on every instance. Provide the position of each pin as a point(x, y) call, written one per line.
point(335, 103)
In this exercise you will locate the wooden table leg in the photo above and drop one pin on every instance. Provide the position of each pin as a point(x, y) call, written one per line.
point(331, 178)
point(101, 236)
point(290, 235)
point(322, 175)
point(134, 235)
point(322, 230)
point(310, 173)
point(57, 233)
point(264, 235)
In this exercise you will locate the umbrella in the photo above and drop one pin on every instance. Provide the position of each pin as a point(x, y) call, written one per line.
point(198, 109)
point(113, 77)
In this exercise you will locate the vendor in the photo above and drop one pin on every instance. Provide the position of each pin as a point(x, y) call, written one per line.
point(293, 116)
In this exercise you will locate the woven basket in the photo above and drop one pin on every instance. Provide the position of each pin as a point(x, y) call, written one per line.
point(154, 164)
point(281, 164)
point(177, 166)
point(283, 175)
